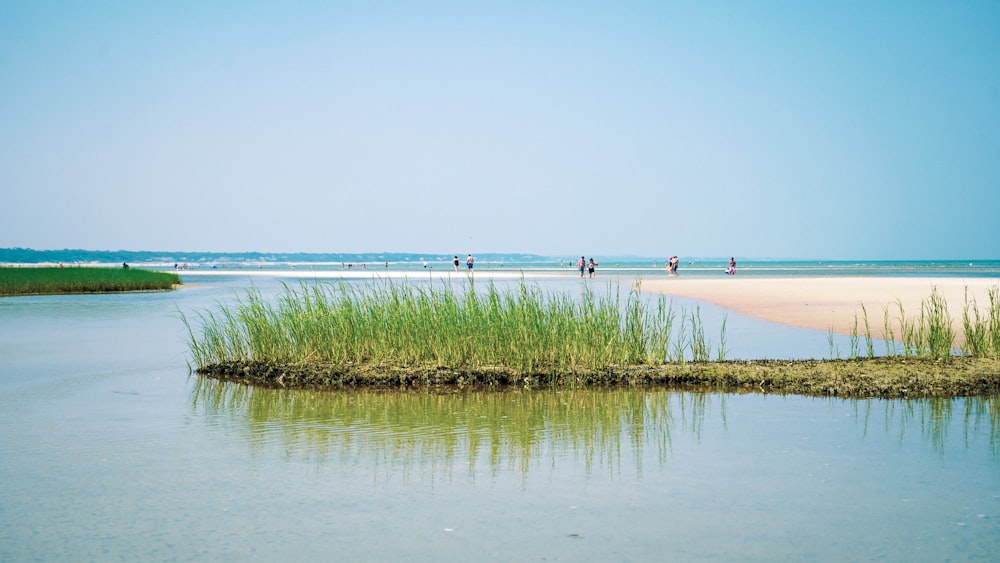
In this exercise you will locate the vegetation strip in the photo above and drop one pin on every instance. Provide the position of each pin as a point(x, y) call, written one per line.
point(386, 333)
point(403, 324)
point(58, 280)
point(879, 377)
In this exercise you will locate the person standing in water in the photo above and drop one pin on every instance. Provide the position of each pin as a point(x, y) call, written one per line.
point(672, 265)
point(581, 264)
point(591, 266)
point(731, 270)
point(469, 262)
point(455, 262)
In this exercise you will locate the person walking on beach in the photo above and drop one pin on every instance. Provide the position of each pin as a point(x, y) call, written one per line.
point(591, 266)
point(455, 262)
point(731, 270)
point(581, 264)
point(469, 262)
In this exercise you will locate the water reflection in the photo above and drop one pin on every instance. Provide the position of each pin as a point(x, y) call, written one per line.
point(517, 430)
point(488, 430)
point(934, 419)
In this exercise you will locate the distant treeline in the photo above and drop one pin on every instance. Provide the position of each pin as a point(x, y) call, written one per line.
point(71, 256)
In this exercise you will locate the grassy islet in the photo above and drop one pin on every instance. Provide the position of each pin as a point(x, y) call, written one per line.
point(58, 280)
point(519, 330)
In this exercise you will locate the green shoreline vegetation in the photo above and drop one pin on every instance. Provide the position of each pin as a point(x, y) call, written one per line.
point(72, 280)
point(400, 334)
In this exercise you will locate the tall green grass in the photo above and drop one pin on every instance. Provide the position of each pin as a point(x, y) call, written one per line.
point(982, 329)
point(519, 329)
point(55, 280)
point(931, 334)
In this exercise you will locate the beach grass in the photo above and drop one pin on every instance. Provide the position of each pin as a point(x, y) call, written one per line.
point(931, 333)
point(58, 280)
point(520, 330)
point(982, 326)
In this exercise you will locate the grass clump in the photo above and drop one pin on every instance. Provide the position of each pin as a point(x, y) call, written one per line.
point(931, 334)
point(982, 329)
point(518, 331)
point(58, 280)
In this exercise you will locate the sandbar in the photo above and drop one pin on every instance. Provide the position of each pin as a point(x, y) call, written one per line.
point(830, 303)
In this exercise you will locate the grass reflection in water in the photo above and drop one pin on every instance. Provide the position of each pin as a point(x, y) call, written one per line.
point(519, 429)
point(933, 418)
point(513, 428)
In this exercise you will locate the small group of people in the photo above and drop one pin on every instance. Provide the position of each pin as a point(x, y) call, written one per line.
point(673, 261)
point(591, 266)
point(469, 262)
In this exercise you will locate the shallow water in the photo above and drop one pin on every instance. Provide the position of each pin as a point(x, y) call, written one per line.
point(110, 450)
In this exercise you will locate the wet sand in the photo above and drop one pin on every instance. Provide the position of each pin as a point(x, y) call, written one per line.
point(829, 303)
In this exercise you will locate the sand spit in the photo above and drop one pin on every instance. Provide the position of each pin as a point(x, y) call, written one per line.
point(823, 303)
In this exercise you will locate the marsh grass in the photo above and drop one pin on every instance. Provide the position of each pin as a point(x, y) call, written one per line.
point(55, 280)
point(723, 349)
point(402, 333)
point(869, 342)
point(519, 330)
point(700, 346)
point(982, 329)
point(832, 343)
point(931, 334)
point(888, 333)
point(854, 338)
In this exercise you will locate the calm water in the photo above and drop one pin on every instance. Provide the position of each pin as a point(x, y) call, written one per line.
point(111, 450)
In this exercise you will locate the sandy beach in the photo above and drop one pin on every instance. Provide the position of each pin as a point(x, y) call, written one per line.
point(829, 303)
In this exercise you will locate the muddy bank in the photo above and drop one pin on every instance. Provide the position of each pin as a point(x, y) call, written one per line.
point(879, 377)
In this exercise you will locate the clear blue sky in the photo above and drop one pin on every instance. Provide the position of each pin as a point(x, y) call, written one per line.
point(758, 129)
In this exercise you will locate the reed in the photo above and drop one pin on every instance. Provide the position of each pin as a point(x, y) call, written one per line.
point(940, 335)
point(383, 323)
point(982, 329)
point(855, 338)
point(723, 349)
point(680, 343)
point(700, 346)
point(888, 334)
point(869, 342)
point(931, 334)
point(56, 280)
point(910, 333)
point(831, 342)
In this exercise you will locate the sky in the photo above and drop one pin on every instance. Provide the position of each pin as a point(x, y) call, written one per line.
point(781, 129)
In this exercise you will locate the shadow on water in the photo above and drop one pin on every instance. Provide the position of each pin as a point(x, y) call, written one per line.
point(519, 429)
